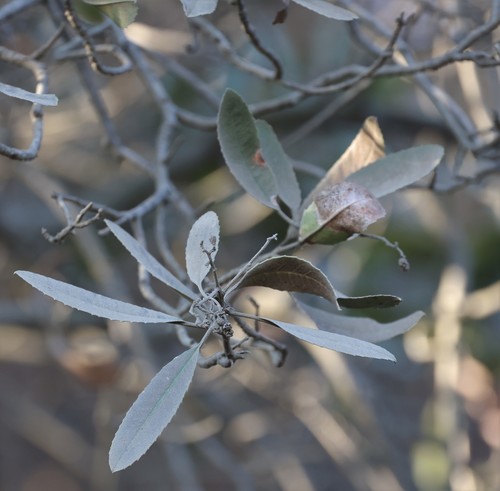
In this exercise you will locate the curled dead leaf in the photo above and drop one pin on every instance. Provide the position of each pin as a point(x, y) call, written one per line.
point(347, 207)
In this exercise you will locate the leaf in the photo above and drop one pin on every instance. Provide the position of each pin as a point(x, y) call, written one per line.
point(193, 8)
point(240, 147)
point(368, 302)
point(280, 165)
point(152, 410)
point(150, 264)
point(292, 274)
point(360, 327)
point(327, 9)
point(336, 342)
point(122, 13)
point(93, 303)
point(18, 93)
point(203, 236)
point(398, 170)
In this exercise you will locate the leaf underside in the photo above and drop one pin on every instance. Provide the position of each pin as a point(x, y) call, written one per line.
point(150, 264)
point(292, 274)
point(93, 303)
point(203, 236)
point(335, 342)
point(152, 410)
point(360, 327)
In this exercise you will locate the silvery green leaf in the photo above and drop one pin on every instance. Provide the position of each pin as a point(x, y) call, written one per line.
point(336, 342)
point(203, 237)
point(327, 9)
point(150, 264)
point(360, 327)
point(93, 303)
point(193, 8)
point(152, 410)
point(398, 170)
point(241, 149)
point(18, 93)
point(281, 167)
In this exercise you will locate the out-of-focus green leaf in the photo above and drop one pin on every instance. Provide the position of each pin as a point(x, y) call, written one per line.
point(274, 156)
point(398, 170)
point(292, 274)
point(121, 12)
point(193, 8)
point(332, 341)
point(327, 9)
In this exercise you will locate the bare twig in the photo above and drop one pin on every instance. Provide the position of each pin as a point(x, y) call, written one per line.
point(249, 29)
point(73, 224)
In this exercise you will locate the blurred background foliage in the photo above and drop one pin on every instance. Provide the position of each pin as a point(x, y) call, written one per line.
point(322, 422)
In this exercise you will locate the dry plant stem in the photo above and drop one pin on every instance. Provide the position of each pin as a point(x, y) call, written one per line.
point(39, 71)
point(44, 48)
point(249, 29)
point(73, 224)
point(403, 262)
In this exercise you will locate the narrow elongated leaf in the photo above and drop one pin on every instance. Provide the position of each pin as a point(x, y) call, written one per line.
point(153, 410)
point(368, 302)
point(18, 93)
point(327, 9)
point(150, 264)
point(360, 327)
point(336, 342)
point(398, 170)
point(93, 303)
point(203, 236)
point(280, 165)
point(193, 8)
point(240, 147)
point(292, 274)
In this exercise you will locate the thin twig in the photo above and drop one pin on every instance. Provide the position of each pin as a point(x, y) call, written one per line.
point(73, 224)
point(278, 70)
